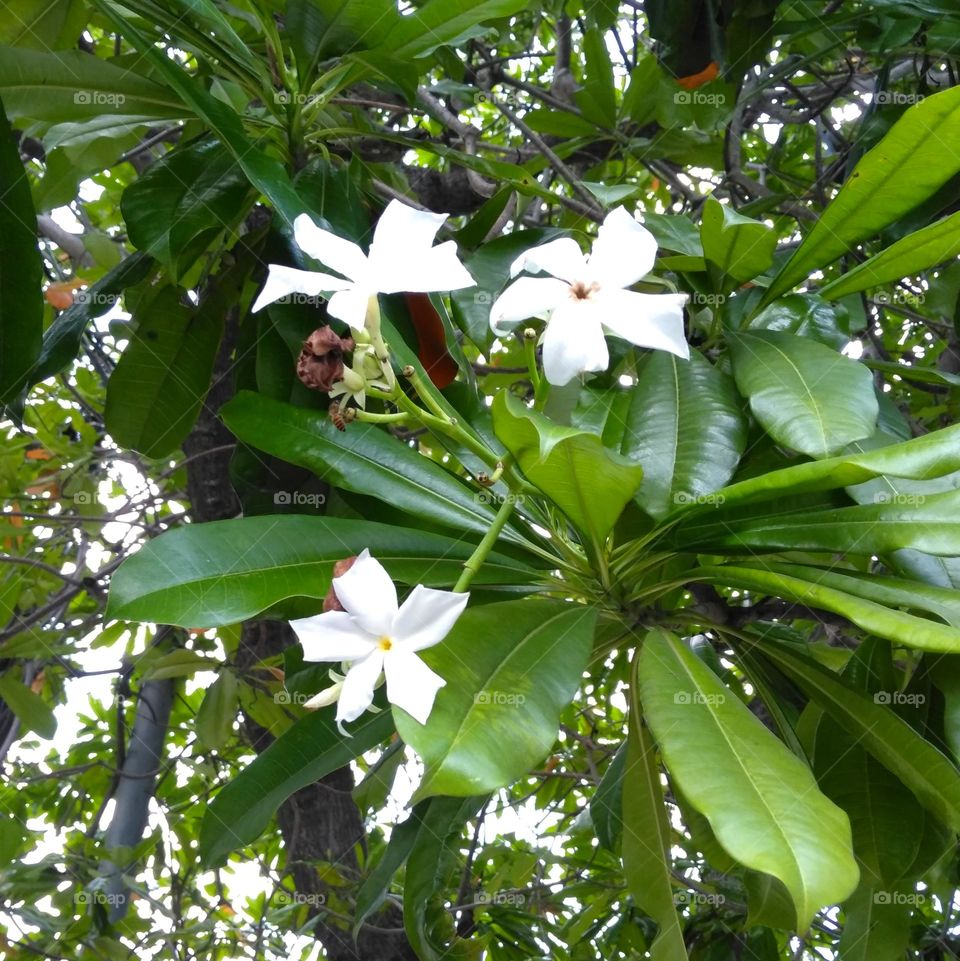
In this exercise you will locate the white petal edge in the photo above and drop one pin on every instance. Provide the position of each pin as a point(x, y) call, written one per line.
point(283, 281)
point(524, 299)
point(368, 594)
point(561, 258)
point(356, 695)
point(350, 306)
point(403, 231)
point(573, 343)
point(343, 256)
point(426, 617)
point(647, 320)
point(623, 252)
point(333, 636)
point(423, 271)
point(411, 685)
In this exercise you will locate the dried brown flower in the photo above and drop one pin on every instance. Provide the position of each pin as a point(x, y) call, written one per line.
point(331, 602)
point(320, 364)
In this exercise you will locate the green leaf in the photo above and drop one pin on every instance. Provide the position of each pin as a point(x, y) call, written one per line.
point(155, 392)
point(61, 341)
point(183, 201)
point(364, 458)
point(646, 843)
point(929, 456)
point(812, 591)
point(31, 710)
point(930, 775)
point(308, 751)
point(510, 669)
point(439, 23)
point(596, 97)
point(738, 247)
point(70, 85)
point(265, 172)
point(588, 482)
point(217, 711)
point(21, 270)
point(932, 526)
point(876, 926)
point(178, 663)
point(226, 571)
point(761, 800)
point(432, 859)
point(684, 426)
point(43, 24)
point(606, 805)
point(904, 169)
point(934, 244)
point(805, 395)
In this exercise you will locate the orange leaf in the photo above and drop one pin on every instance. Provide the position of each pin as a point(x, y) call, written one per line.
point(432, 352)
point(710, 72)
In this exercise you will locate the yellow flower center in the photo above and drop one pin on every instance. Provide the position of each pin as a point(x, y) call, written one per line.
point(385, 643)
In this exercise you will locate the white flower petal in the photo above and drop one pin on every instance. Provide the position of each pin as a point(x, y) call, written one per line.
point(525, 298)
point(401, 229)
point(350, 306)
point(426, 617)
point(647, 320)
point(411, 685)
point(343, 256)
point(356, 695)
point(283, 281)
point(561, 258)
point(368, 594)
point(333, 636)
point(623, 252)
point(330, 696)
point(573, 342)
point(422, 271)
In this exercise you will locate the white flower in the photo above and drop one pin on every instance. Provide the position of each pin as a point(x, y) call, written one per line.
point(401, 258)
point(375, 635)
point(584, 296)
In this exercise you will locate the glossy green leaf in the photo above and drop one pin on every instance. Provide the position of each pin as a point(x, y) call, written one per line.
point(814, 590)
point(264, 171)
point(877, 925)
point(646, 844)
point(308, 751)
point(217, 711)
point(760, 799)
point(927, 247)
point(685, 428)
point(363, 458)
point(21, 270)
point(588, 482)
point(739, 248)
point(433, 858)
point(155, 392)
point(184, 201)
point(805, 395)
point(226, 571)
point(43, 24)
point(905, 168)
point(31, 710)
point(510, 669)
point(69, 85)
point(933, 779)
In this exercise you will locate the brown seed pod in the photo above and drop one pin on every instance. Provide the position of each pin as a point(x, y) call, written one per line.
point(320, 364)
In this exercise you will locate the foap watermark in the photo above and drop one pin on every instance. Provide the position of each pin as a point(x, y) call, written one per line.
point(697, 897)
point(99, 98)
point(106, 898)
point(299, 499)
point(898, 97)
point(301, 99)
point(496, 500)
point(83, 499)
point(482, 298)
point(300, 299)
point(699, 97)
point(511, 898)
point(290, 697)
point(500, 698)
point(698, 697)
point(686, 497)
point(905, 298)
point(898, 897)
point(892, 698)
point(707, 300)
point(899, 499)
point(95, 298)
point(504, 98)
point(297, 897)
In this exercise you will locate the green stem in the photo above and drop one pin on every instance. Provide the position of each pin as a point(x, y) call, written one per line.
point(473, 564)
point(372, 418)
